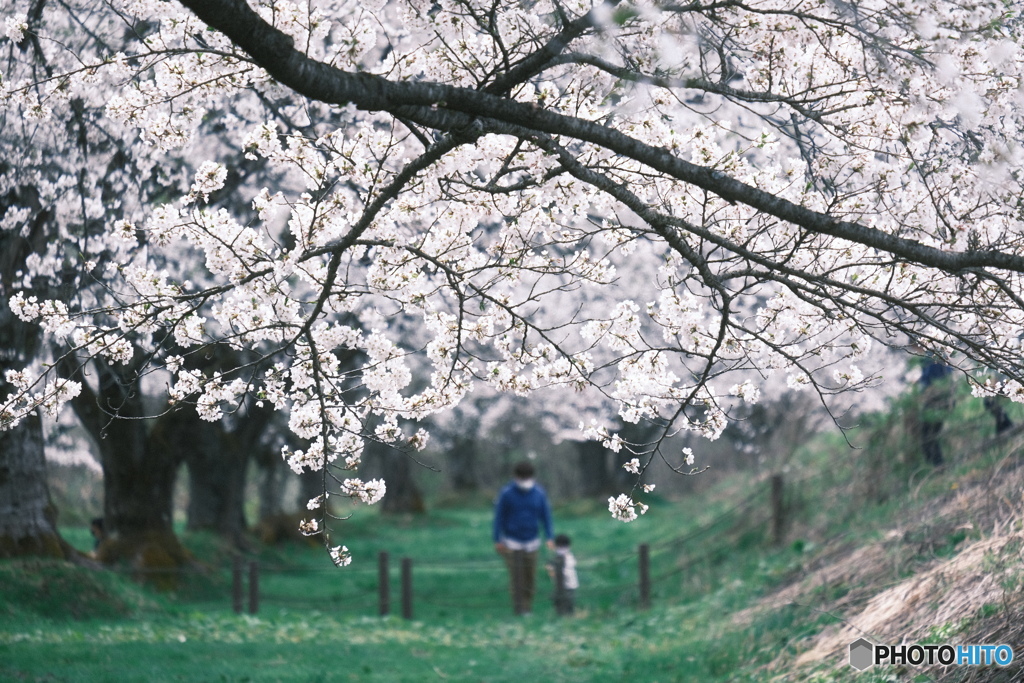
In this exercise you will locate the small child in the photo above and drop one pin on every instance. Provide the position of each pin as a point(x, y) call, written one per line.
point(564, 599)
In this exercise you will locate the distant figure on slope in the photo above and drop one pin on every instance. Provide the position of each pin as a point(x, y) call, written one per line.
point(994, 407)
point(935, 404)
point(564, 562)
point(521, 510)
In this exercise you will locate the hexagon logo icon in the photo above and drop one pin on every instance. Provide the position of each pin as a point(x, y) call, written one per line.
point(861, 654)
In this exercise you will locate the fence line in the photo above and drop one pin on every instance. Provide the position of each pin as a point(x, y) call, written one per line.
point(366, 595)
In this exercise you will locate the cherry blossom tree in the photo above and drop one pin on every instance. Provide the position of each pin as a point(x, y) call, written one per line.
point(62, 192)
point(665, 205)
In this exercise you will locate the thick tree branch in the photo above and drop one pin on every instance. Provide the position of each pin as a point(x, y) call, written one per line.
point(450, 108)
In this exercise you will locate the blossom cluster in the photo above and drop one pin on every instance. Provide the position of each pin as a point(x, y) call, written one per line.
point(682, 211)
point(623, 508)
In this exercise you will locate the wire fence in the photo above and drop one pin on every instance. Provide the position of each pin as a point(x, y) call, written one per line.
point(633, 577)
point(431, 587)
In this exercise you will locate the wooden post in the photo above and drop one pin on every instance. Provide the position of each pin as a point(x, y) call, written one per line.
point(406, 588)
point(383, 583)
point(778, 509)
point(236, 584)
point(519, 581)
point(254, 587)
point(645, 576)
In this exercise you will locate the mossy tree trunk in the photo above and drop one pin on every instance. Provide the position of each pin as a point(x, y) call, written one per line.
point(140, 458)
point(27, 517)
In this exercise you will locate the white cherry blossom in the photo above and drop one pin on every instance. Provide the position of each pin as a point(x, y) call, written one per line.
point(653, 212)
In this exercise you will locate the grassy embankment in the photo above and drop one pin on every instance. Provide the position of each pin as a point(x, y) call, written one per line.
point(728, 606)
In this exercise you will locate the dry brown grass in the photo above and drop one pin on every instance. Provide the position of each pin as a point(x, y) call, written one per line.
point(945, 594)
point(902, 589)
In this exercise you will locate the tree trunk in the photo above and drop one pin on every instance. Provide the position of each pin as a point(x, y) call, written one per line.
point(140, 458)
point(272, 479)
point(595, 476)
point(403, 495)
point(216, 475)
point(27, 517)
point(279, 522)
point(462, 465)
point(139, 472)
point(218, 459)
point(273, 474)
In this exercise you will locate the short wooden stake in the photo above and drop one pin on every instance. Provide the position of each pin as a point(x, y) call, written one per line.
point(645, 576)
point(383, 583)
point(254, 587)
point(406, 588)
point(236, 584)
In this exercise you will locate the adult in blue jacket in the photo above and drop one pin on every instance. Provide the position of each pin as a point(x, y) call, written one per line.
point(521, 511)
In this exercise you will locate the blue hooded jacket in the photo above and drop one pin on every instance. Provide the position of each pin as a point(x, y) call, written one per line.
point(518, 514)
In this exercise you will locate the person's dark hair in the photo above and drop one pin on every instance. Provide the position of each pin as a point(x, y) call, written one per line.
point(562, 541)
point(97, 522)
point(523, 470)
